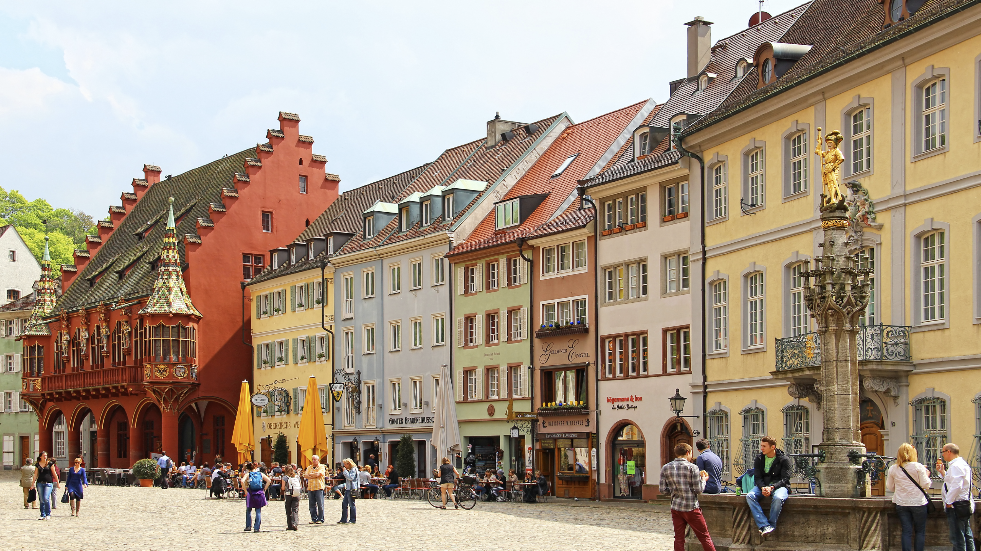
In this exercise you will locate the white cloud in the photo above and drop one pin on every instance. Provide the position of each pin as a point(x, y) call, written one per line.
point(30, 91)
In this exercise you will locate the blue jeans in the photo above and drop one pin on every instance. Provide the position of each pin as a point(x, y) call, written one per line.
point(960, 531)
point(316, 502)
point(753, 499)
point(248, 518)
point(44, 495)
point(347, 504)
point(913, 519)
point(388, 489)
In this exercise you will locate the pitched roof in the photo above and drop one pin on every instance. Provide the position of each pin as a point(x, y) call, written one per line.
point(589, 141)
point(687, 99)
point(122, 267)
point(470, 161)
point(839, 32)
point(572, 218)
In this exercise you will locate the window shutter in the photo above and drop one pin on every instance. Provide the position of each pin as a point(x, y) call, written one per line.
point(480, 383)
point(523, 317)
point(296, 400)
point(459, 332)
point(258, 356)
point(458, 385)
point(460, 290)
point(3, 401)
point(311, 348)
point(258, 306)
point(16, 401)
point(503, 277)
point(524, 271)
point(479, 329)
point(525, 381)
point(292, 298)
point(480, 276)
point(296, 357)
point(17, 363)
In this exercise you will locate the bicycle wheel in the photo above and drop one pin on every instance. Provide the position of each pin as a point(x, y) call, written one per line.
point(434, 497)
point(466, 497)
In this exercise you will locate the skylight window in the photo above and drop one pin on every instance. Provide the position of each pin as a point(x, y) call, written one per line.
point(565, 164)
point(507, 214)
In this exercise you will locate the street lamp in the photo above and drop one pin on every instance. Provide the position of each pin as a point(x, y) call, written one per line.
point(515, 431)
point(678, 405)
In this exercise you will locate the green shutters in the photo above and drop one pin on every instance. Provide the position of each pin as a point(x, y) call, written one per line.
point(258, 356)
point(292, 298)
point(296, 357)
point(258, 306)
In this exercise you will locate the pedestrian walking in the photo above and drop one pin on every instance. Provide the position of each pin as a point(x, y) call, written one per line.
point(709, 462)
point(316, 473)
point(447, 482)
point(43, 481)
point(75, 482)
point(165, 465)
point(682, 481)
point(773, 469)
point(957, 497)
point(292, 489)
point(350, 470)
point(27, 483)
point(55, 484)
point(255, 484)
point(909, 480)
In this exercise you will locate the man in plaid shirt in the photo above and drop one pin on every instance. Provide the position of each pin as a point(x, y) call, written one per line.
point(681, 480)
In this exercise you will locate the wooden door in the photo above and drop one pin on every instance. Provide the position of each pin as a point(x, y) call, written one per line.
point(265, 450)
point(872, 439)
point(25, 448)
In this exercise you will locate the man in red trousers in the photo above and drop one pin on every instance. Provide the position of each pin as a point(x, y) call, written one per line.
point(682, 481)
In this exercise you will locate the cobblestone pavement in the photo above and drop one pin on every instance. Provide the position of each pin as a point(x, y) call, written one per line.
point(154, 519)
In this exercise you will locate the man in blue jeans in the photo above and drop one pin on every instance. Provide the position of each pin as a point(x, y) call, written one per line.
point(773, 469)
point(957, 488)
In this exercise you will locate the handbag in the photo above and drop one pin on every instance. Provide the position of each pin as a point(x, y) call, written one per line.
point(65, 496)
point(962, 508)
point(32, 495)
point(930, 506)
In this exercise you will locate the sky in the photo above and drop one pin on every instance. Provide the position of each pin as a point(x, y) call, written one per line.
point(90, 91)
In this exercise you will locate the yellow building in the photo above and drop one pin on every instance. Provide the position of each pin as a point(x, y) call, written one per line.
point(901, 83)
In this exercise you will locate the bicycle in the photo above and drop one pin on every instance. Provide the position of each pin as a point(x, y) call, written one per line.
point(465, 496)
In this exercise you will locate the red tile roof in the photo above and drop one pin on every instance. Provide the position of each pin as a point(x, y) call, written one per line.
point(590, 140)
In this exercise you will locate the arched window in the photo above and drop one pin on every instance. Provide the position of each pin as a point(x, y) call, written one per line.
point(798, 311)
point(754, 425)
point(929, 428)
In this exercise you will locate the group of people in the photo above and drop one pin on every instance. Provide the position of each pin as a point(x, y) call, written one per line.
point(41, 480)
point(685, 478)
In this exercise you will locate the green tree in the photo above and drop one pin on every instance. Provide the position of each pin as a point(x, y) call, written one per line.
point(66, 228)
point(281, 450)
point(405, 457)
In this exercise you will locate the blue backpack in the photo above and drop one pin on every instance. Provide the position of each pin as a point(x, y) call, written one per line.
point(255, 481)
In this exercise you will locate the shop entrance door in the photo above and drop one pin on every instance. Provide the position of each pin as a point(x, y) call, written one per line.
point(872, 439)
point(546, 464)
point(629, 463)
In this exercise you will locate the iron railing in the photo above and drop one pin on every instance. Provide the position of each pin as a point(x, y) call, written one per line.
point(875, 343)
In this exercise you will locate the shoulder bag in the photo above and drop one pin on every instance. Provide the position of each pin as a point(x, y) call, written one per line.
point(930, 506)
point(962, 508)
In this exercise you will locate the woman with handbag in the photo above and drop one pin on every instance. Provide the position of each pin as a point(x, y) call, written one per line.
point(55, 484)
point(908, 480)
point(75, 481)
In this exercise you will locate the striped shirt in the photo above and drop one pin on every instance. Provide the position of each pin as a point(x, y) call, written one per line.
point(681, 481)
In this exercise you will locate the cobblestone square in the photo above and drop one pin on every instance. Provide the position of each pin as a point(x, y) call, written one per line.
point(131, 518)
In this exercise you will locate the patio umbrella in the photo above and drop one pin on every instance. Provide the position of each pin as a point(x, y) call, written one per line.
point(446, 431)
point(313, 436)
point(243, 436)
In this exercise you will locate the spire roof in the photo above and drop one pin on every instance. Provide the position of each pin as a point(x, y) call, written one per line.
point(169, 294)
point(45, 300)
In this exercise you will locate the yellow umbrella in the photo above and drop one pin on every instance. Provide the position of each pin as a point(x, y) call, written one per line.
point(243, 437)
point(313, 436)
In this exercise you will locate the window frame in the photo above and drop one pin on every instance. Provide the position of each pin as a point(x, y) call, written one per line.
point(617, 282)
point(395, 278)
point(675, 337)
point(439, 329)
point(368, 336)
point(267, 221)
point(395, 396)
point(867, 108)
point(719, 174)
point(682, 273)
point(618, 358)
point(717, 315)
point(930, 226)
point(918, 110)
point(748, 278)
point(368, 280)
point(439, 270)
point(395, 335)
point(415, 268)
point(755, 146)
point(416, 326)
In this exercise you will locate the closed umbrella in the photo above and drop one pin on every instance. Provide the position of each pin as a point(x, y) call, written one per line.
point(313, 436)
point(243, 437)
point(446, 431)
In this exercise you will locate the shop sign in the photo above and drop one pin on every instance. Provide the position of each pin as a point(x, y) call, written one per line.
point(260, 400)
point(568, 435)
point(558, 354)
point(409, 420)
point(580, 423)
point(624, 403)
point(281, 425)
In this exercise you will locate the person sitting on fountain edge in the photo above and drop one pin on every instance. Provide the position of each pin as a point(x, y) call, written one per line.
point(772, 469)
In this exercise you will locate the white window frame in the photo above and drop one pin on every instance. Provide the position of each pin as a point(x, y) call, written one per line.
point(322, 353)
point(493, 276)
point(427, 213)
point(933, 292)
point(395, 335)
point(435, 392)
point(439, 329)
point(941, 267)
point(626, 282)
point(493, 327)
point(935, 113)
point(368, 338)
point(675, 200)
point(718, 315)
point(395, 396)
point(368, 283)
point(347, 342)
point(369, 227)
point(417, 394)
point(395, 278)
point(439, 270)
point(517, 380)
point(507, 213)
point(370, 403)
point(415, 266)
point(859, 136)
point(416, 325)
point(677, 273)
point(797, 164)
point(754, 306)
point(493, 382)
point(754, 176)
point(566, 310)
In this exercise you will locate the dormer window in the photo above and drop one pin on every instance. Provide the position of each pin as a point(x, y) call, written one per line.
point(369, 227)
point(426, 216)
point(899, 10)
point(507, 213)
point(644, 144)
point(703, 83)
point(766, 71)
point(447, 207)
point(330, 245)
point(565, 164)
point(741, 68)
point(405, 219)
point(678, 125)
point(292, 256)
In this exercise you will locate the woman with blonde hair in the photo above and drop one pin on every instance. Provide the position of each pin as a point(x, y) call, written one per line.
point(908, 480)
point(351, 482)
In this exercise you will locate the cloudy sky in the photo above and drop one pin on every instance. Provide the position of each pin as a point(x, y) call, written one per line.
point(89, 91)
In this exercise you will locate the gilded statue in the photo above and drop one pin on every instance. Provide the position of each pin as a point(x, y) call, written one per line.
point(831, 161)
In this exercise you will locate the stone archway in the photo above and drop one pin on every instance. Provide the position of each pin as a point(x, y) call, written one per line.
point(626, 461)
point(675, 431)
point(114, 436)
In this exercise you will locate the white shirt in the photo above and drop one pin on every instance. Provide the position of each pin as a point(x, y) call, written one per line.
point(190, 470)
point(906, 493)
point(957, 482)
point(364, 477)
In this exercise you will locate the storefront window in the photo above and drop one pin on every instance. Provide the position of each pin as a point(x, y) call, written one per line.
point(573, 455)
point(564, 386)
point(629, 463)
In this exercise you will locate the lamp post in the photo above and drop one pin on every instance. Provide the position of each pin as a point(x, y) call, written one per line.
point(678, 405)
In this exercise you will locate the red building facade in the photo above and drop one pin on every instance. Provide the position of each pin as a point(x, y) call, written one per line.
point(149, 336)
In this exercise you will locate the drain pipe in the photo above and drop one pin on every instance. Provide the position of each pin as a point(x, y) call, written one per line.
point(243, 320)
point(323, 305)
point(581, 189)
point(531, 346)
point(704, 354)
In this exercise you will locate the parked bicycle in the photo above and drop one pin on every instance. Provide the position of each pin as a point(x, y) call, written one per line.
point(465, 495)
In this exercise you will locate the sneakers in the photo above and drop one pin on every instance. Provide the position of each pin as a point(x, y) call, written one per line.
point(766, 530)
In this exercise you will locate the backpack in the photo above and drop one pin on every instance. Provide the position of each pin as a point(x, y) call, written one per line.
point(255, 481)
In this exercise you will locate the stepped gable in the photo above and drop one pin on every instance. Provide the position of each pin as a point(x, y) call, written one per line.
point(470, 161)
point(839, 32)
point(44, 297)
point(589, 139)
point(342, 216)
point(122, 268)
point(687, 99)
point(169, 292)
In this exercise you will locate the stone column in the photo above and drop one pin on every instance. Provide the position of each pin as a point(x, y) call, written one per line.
point(135, 443)
point(45, 439)
point(73, 443)
point(102, 445)
point(168, 433)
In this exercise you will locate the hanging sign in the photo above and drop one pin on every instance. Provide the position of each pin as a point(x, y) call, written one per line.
point(260, 400)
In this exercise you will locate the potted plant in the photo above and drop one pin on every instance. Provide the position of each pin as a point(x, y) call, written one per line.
point(146, 470)
point(320, 356)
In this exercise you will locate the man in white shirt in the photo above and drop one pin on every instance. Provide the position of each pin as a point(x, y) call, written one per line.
point(189, 474)
point(957, 490)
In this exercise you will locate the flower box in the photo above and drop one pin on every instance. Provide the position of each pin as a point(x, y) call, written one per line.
point(617, 230)
point(607, 232)
point(668, 218)
point(629, 227)
point(545, 332)
point(682, 215)
point(562, 410)
point(641, 225)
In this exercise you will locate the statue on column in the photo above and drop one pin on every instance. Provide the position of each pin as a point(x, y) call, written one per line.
point(831, 161)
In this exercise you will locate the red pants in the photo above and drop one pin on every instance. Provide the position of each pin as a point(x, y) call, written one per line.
point(694, 519)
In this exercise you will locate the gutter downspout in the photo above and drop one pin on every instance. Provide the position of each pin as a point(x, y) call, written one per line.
point(452, 279)
point(243, 320)
point(701, 209)
point(531, 346)
point(330, 344)
point(581, 189)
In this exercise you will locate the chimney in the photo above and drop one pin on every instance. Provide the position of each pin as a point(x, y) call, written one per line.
point(151, 173)
point(498, 126)
point(699, 45)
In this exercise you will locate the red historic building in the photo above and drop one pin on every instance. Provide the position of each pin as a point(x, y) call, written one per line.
point(148, 335)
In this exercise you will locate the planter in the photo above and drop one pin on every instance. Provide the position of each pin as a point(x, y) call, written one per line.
point(144, 483)
point(543, 333)
point(668, 218)
point(607, 232)
point(641, 225)
point(682, 215)
point(562, 411)
point(629, 227)
point(617, 230)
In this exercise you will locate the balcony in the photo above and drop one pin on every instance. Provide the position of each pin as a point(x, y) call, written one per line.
point(99, 378)
point(880, 348)
point(559, 330)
